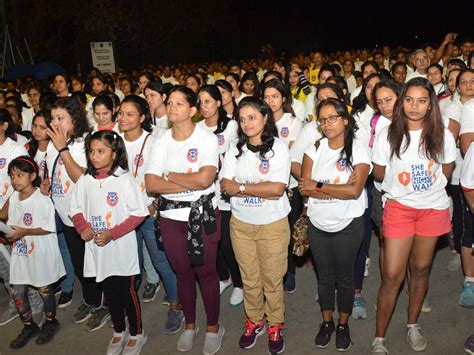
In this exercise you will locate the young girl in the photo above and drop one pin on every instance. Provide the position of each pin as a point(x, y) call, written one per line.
point(336, 207)
point(216, 121)
point(106, 207)
point(255, 174)
point(36, 260)
point(37, 149)
point(103, 108)
point(413, 158)
point(279, 98)
point(182, 169)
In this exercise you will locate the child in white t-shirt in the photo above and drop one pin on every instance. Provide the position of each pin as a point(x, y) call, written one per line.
point(106, 207)
point(35, 260)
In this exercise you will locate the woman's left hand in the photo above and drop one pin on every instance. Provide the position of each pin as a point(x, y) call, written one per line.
point(58, 137)
point(306, 185)
point(229, 187)
point(102, 237)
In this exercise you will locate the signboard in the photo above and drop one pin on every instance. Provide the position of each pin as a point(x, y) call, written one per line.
point(103, 56)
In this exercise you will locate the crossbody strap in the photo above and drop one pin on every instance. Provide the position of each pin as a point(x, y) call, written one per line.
point(140, 155)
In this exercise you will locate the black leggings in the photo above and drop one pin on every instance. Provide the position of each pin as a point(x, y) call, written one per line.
point(335, 255)
point(20, 296)
point(122, 299)
point(91, 290)
point(225, 254)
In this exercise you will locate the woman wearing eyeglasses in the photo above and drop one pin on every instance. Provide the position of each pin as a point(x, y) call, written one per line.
point(333, 176)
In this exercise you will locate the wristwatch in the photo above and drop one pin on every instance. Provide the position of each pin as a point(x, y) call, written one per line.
point(319, 184)
point(242, 188)
point(165, 175)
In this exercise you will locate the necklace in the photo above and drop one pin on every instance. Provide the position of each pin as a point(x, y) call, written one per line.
point(101, 182)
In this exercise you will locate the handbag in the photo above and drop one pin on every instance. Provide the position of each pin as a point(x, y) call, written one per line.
point(300, 229)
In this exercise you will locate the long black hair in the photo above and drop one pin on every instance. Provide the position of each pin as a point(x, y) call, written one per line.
point(222, 119)
point(33, 143)
point(112, 140)
point(225, 85)
point(349, 132)
point(25, 164)
point(269, 130)
point(361, 101)
point(143, 109)
point(6, 117)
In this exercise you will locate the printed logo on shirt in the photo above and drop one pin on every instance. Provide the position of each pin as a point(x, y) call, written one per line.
point(220, 139)
point(3, 163)
point(42, 165)
point(192, 155)
point(404, 178)
point(138, 161)
point(27, 219)
point(60, 161)
point(284, 132)
point(264, 167)
point(422, 176)
point(112, 199)
point(98, 223)
point(5, 188)
point(341, 164)
point(20, 247)
point(251, 201)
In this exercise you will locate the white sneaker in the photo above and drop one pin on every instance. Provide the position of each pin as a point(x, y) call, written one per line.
point(137, 348)
point(454, 262)
point(426, 306)
point(378, 347)
point(116, 348)
point(416, 340)
point(224, 284)
point(186, 339)
point(237, 297)
point(213, 341)
point(367, 267)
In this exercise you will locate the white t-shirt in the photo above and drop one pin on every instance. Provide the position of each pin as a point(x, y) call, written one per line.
point(355, 93)
point(61, 183)
point(249, 169)
point(188, 156)
point(36, 259)
point(9, 150)
point(351, 83)
point(289, 127)
point(466, 118)
point(299, 109)
point(363, 120)
point(310, 105)
point(170, 80)
point(90, 112)
point(104, 207)
point(333, 215)
point(414, 74)
point(161, 122)
point(27, 119)
point(224, 139)
point(242, 95)
point(438, 88)
point(308, 135)
point(413, 180)
point(381, 124)
point(467, 173)
point(134, 160)
point(40, 159)
point(115, 128)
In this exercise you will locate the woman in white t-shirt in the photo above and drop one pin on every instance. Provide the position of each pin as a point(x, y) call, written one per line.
point(255, 174)
point(106, 207)
point(155, 96)
point(234, 80)
point(279, 98)
point(35, 260)
point(216, 121)
point(103, 108)
point(333, 176)
point(182, 170)
point(66, 162)
point(413, 158)
point(227, 93)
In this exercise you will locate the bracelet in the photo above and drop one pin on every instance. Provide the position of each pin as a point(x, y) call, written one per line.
point(63, 150)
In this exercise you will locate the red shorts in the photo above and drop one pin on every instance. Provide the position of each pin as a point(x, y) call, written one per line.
point(400, 221)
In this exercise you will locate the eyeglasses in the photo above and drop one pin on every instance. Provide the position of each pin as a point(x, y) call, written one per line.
point(330, 119)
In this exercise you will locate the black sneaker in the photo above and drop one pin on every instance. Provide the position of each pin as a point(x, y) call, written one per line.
point(83, 313)
point(24, 337)
point(65, 299)
point(324, 335)
point(149, 292)
point(343, 337)
point(49, 328)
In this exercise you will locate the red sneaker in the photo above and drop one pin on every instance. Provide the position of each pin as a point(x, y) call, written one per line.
point(251, 333)
point(276, 344)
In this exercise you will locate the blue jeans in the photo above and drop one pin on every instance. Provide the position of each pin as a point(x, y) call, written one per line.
point(159, 259)
point(68, 283)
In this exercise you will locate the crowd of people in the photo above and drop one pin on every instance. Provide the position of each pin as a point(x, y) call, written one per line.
point(214, 172)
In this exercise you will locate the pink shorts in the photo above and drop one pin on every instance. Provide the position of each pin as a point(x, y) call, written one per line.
point(400, 221)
